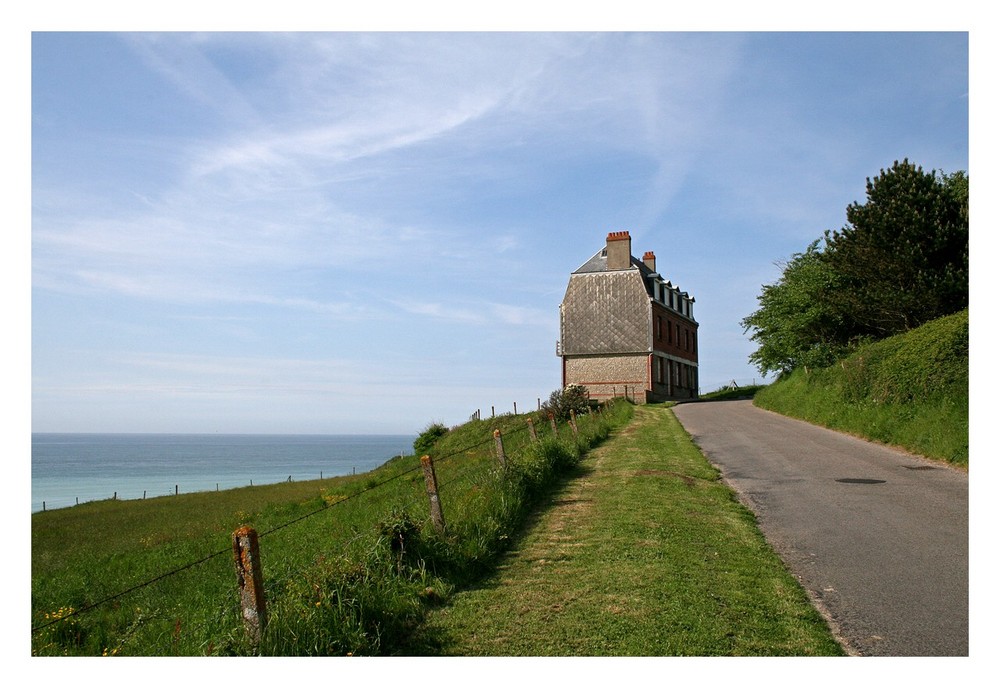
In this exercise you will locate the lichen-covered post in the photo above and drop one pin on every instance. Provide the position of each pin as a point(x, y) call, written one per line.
point(498, 440)
point(531, 430)
point(552, 422)
point(250, 576)
point(430, 481)
point(572, 422)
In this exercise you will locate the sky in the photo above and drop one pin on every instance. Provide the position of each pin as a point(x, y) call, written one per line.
point(366, 232)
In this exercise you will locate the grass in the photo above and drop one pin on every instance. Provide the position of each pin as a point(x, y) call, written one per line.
point(351, 564)
point(642, 552)
point(910, 391)
point(728, 393)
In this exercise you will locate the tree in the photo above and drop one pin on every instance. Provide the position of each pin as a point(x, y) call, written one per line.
point(795, 324)
point(902, 259)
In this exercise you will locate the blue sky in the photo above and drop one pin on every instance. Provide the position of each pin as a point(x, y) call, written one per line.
point(367, 232)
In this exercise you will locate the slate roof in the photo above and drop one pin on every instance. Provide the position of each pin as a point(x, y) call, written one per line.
point(599, 263)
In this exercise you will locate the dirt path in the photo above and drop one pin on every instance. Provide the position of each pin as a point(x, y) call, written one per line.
point(642, 553)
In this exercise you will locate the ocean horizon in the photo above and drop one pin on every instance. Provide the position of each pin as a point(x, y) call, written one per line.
point(74, 468)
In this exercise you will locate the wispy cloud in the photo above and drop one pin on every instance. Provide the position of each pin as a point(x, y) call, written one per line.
point(365, 198)
point(478, 313)
point(278, 184)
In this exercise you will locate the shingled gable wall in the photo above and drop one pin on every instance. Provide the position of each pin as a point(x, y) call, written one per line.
point(617, 338)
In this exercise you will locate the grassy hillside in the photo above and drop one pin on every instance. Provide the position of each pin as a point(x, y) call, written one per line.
point(910, 391)
point(644, 553)
point(350, 564)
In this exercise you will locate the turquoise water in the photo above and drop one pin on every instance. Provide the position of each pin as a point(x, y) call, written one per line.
point(67, 469)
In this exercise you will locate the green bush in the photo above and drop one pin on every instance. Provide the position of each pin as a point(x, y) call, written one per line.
point(428, 437)
point(574, 398)
point(910, 390)
point(922, 364)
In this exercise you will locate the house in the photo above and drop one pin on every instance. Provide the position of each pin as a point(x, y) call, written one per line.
point(626, 331)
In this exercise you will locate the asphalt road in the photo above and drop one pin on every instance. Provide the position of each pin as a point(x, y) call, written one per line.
point(878, 537)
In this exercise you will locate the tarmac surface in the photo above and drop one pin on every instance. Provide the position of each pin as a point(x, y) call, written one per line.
point(878, 537)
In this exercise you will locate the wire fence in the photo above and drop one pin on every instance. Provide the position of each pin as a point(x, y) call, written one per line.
point(135, 476)
point(189, 607)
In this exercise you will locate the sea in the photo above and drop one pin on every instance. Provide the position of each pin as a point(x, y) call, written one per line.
point(70, 469)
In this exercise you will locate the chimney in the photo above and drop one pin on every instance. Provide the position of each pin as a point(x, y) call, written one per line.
point(649, 258)
point(619, 250)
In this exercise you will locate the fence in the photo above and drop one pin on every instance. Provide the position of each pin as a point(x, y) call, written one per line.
point(190, 486)
point(191, 608)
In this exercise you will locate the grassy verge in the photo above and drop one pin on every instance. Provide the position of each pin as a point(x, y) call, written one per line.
point(729, 393)
point(910, 391)
point(644, 552)
point(350, 564)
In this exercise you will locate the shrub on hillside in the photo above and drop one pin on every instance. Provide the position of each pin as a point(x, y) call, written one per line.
point(919, 365)
point(562, 401)
point(428, 437)
point(910, 390)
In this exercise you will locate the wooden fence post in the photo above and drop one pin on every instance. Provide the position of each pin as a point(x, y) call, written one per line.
point(531, 430)
point(572, 422)
point(552, 422)
point(250, 575)
point(430, 481)
point(498, 440)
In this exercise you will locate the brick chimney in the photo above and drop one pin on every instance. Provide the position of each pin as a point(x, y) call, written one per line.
point(619, 250)
point(649, 258)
